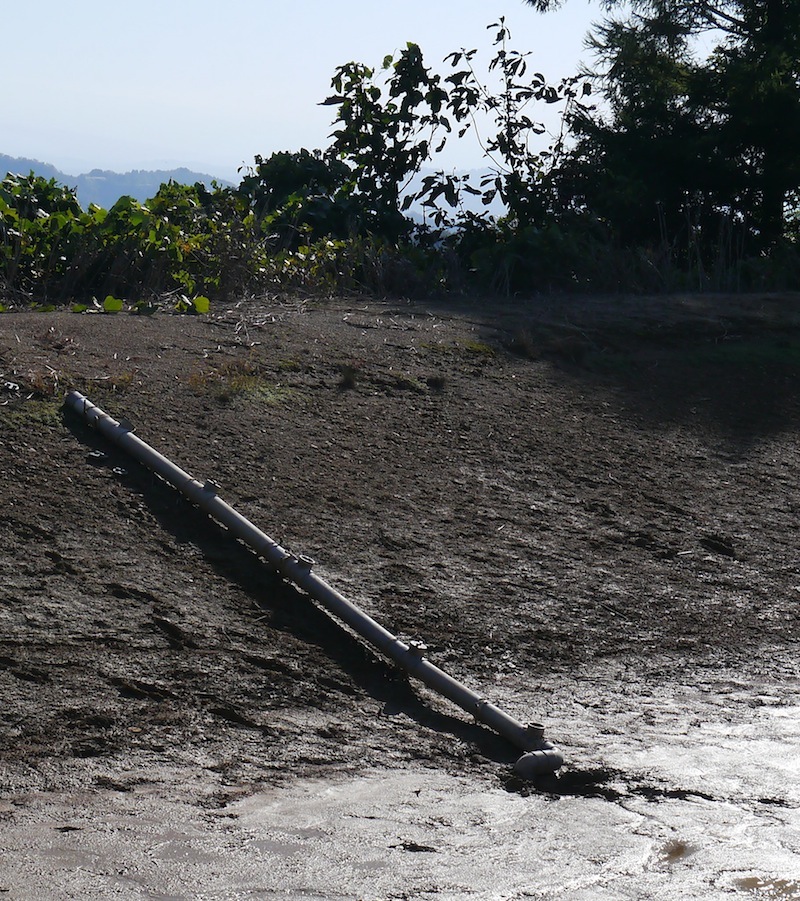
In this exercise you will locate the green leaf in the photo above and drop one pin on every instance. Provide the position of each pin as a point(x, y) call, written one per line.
point(112, 304)
point(143, 308)
point(201, 304)
point(79, 307)
point(97, 213)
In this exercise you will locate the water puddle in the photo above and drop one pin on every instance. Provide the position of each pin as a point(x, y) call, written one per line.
point(765, 887)
point(675, 851)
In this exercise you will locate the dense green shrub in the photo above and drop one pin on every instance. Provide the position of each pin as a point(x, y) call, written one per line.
point(185, 240)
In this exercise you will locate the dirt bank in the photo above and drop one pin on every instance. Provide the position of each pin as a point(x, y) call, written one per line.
point(586, 508)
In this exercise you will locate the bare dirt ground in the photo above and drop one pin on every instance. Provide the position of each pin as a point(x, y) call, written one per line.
point(586, 508)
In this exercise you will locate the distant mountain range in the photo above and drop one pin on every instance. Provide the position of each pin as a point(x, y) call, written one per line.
point(104, 188)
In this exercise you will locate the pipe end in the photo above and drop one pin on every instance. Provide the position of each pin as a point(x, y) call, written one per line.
point(541, 762)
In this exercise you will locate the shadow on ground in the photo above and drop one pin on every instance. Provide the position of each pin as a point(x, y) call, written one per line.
point(730, 364)
point(285, 609)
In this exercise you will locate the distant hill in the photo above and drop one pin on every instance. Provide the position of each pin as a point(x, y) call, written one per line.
point(103, 187)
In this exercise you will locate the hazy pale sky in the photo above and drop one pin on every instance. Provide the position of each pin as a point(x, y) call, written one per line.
point(164, 83)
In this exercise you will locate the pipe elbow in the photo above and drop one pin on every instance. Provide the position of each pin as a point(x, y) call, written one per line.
point(539, 762)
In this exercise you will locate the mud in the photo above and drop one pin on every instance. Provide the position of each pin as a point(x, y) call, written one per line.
point(586, 508)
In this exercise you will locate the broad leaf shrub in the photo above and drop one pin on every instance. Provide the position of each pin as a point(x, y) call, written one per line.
point(42, 229)
point(295, 198)
point(185, 240)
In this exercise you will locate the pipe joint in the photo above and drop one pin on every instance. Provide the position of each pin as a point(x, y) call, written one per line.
point(535, 731)
point(305, 562)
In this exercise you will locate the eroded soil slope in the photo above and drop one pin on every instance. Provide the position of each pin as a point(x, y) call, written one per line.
point(542, 492)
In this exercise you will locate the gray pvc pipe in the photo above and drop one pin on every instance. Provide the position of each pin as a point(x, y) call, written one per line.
point(543, 757)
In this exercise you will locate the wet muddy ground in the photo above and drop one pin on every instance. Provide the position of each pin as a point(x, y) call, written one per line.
point(586, 508)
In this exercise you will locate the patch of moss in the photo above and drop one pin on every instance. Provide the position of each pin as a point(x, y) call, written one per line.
point(409, 383)
point(255, 388)
point(438, 347)
point(23, 414)
point(480, 348)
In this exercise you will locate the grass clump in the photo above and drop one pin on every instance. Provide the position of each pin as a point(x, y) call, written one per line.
point(479, 348)
point(240, 379)
point(27, 414)
point(409, 383)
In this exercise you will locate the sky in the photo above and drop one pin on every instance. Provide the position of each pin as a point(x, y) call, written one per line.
point(158, 84)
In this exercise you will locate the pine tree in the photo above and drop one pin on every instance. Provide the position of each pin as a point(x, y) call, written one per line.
point(702, 120)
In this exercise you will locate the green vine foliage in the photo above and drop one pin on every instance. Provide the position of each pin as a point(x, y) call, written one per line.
point(42, 227)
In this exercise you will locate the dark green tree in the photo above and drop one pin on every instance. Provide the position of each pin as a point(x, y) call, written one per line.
point(702, 123)
point(297, 197)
